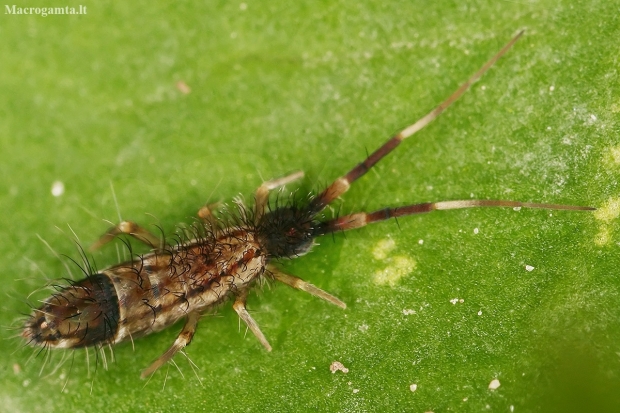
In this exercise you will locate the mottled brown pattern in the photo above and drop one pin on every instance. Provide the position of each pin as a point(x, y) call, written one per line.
point(186, 279)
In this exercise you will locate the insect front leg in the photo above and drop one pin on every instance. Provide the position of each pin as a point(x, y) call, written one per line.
point(239, 307)
point(302, 285)
point(132, 229)
point(183, 340)
point(262, 193)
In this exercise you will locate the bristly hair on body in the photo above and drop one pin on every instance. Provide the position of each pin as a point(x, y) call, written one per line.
point(221, 258)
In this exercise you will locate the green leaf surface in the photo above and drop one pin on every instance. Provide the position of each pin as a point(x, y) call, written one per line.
point(448, 301)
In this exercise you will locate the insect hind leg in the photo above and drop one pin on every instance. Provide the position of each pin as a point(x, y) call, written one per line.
point(182, 340)
point(206, 214)
point(132, 229)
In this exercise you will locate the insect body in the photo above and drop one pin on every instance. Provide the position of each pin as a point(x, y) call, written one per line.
point(224, 259)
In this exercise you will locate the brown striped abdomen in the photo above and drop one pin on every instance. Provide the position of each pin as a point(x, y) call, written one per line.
point(148, 294)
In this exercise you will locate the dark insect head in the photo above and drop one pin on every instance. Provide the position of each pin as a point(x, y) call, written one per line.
point(287, 231)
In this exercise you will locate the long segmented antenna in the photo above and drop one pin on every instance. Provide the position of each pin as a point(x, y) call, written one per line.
point(362, 219)
point(342, 184)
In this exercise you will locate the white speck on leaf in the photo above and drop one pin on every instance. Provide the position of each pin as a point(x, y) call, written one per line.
point(58, 188)
point(338, 366)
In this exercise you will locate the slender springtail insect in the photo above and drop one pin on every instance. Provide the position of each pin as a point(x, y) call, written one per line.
point(222, 260)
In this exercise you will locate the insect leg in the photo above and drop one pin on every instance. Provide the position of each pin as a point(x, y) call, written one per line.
point(183, 340)
point(239, 307)
point(342, 184)
point(361, 219)
point(262, 193)
point(205, 213)
point(128, 228)
point(300, 284)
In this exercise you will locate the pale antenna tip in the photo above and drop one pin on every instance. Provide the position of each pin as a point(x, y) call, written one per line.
point(518, 35)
